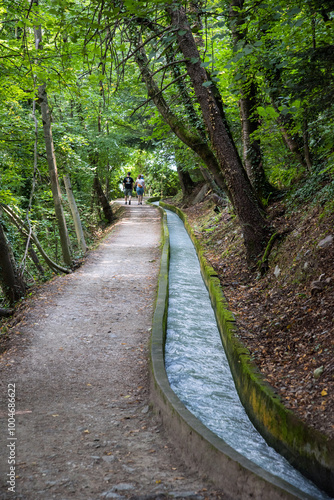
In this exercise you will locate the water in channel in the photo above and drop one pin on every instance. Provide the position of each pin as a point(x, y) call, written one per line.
point(197, 367)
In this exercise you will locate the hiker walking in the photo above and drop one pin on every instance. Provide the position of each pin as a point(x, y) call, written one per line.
point(128, 186)
point(140, 188)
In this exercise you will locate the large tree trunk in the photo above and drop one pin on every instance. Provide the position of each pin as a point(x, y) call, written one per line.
point(107, 211)
point(254, 227)
point(53, 173)
point(75, 214)
point(186, 182)
point(10, 280)
point(50, 153)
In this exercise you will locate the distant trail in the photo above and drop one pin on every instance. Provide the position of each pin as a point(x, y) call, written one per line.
point(83, 426)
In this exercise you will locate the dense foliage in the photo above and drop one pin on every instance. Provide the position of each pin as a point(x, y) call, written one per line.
point(122, 97)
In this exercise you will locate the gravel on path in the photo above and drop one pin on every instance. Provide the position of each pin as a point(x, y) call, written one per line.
point(84, 428)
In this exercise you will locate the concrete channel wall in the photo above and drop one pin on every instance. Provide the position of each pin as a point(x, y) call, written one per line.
point(239, 477)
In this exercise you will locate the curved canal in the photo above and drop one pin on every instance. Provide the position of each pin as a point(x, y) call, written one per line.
point(197, 367)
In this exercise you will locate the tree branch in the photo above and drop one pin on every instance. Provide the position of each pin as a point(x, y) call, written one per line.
point(157, 93)
point(167, 65)
point(23, 230)
point(142, 45)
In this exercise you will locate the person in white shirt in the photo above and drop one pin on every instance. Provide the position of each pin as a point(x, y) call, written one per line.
point(140, 188)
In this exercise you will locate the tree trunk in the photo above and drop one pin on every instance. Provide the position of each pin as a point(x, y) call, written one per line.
point(107, 211)
point(286, 123)
point(194, 118)
point(186, 182)
point(293, 143)
point(252, 155)
point(254, 227)
point(207, 175)
point(75, 214)
point(10, 280)
point(56, 193)
point(50, 153)
point(195, 142)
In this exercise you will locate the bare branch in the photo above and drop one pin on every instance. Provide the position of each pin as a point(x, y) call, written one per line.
point(23, 230)
point(167, 65)
point(139, 47)
point(160, 92)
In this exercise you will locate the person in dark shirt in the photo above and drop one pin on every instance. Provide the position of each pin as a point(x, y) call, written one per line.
point(128, 186)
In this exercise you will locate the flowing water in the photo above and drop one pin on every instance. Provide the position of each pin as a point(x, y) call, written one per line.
point(197, 367)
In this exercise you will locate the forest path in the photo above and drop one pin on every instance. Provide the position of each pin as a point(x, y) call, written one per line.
point(83, 428)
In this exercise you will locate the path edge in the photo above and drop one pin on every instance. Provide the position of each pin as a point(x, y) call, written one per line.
point(199, 447)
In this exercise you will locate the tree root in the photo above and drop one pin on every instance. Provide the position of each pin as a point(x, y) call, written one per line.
point(263, 264)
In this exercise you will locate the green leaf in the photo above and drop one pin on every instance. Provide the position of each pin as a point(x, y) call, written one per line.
point(294, 11)
point(284, 110)
point(272, 112)
point(248, 50)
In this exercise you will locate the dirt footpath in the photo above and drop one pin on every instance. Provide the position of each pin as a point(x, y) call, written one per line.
point(84, 428)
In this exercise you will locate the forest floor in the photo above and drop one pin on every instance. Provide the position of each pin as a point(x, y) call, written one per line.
point(286, 316)
point(76, 354)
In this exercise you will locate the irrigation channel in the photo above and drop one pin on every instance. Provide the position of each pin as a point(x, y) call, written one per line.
point(197, 367)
